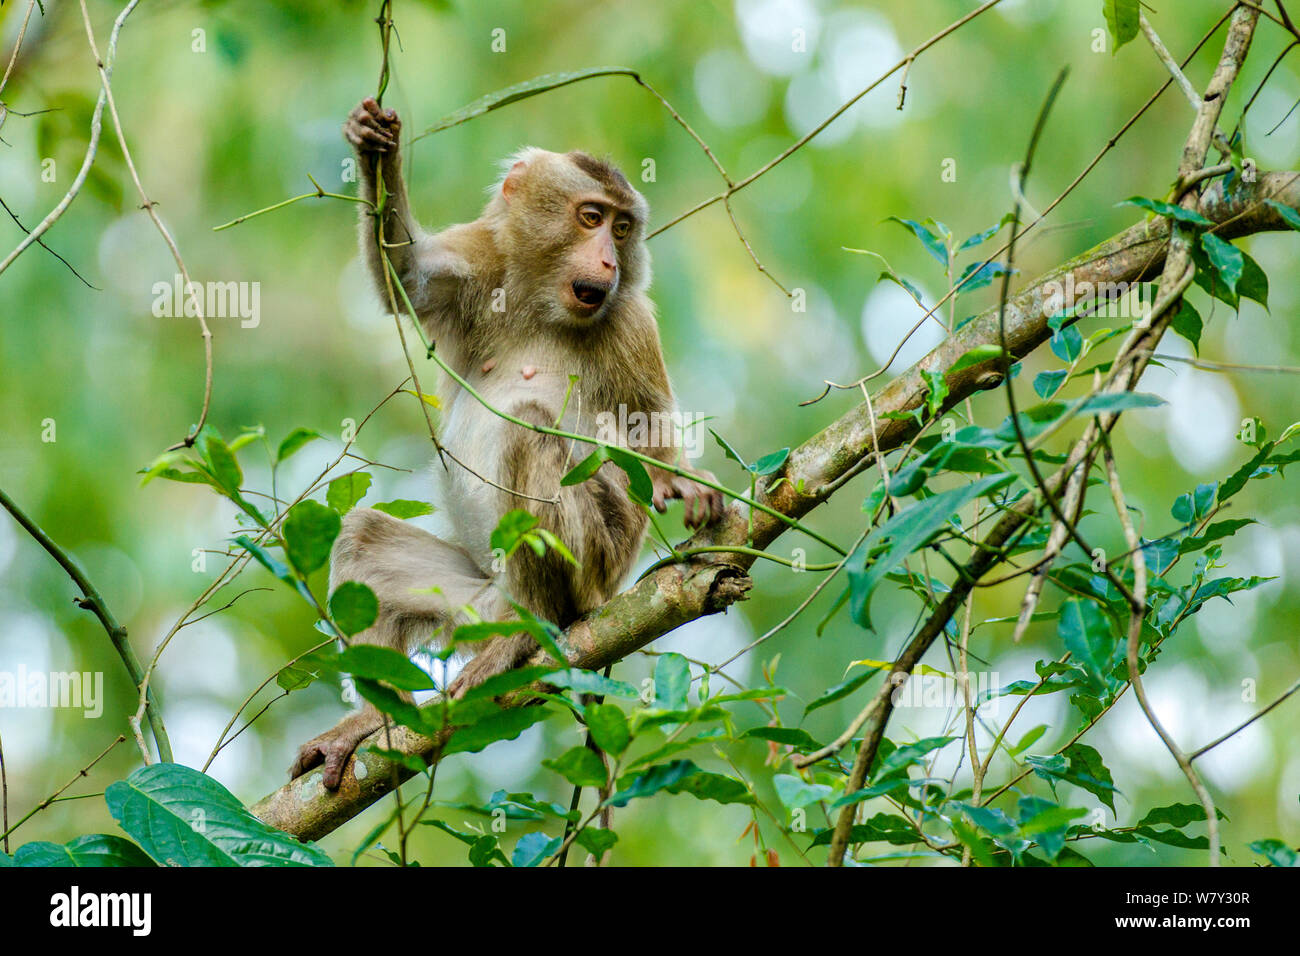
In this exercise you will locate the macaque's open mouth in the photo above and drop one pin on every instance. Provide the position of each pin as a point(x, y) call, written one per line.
point(590, 295)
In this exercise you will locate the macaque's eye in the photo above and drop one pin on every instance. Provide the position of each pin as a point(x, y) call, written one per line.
point(621, 228)
point(590, 215)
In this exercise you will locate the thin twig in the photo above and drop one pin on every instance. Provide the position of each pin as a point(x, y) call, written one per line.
point(92, 601)
point(149, 207)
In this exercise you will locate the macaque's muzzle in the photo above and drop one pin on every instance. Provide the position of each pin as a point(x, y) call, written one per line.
point(590, 294)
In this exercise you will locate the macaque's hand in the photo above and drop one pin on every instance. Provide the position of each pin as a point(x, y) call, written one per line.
point(372, 129)
point(701, 505)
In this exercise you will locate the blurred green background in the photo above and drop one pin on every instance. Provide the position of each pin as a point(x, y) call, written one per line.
point(241, 124)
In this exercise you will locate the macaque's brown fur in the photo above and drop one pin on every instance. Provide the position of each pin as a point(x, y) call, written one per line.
point(549, 282)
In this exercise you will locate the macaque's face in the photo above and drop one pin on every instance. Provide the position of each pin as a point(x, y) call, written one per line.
point(600, 229)
point(575, 227)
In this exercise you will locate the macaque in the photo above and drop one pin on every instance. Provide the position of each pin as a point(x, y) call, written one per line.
point(547, 284)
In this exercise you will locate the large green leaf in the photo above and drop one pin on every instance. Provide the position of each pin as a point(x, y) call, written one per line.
point(91, 850)
point(309, 533)
point(608, 727)
point(672, 682)
point(346, 490)
point(908, 530)
point(295, 440)
point(354, 607)
point(181, 817)
point(580, 765)
point(1121, 19)
point(506, 725)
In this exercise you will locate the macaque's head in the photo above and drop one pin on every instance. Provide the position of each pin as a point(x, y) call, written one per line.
point(572, 228)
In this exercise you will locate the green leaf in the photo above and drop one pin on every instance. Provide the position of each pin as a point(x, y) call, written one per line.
point(274, 565)
point(894, 277)
point(1087, 770)
point(1067, 343)
point(982, 237)
point(795, 792)
point(503, 683)
point(936, 390)
point(220, 460)
point(580, 766)
point(1188, 324)
point(881, 828)
point(1254, 281)
point(381, 664)
point(978, 275)
point(706, 785)
point(354, 607)
point(1227, 259)
point(1046, 384)
point(639, 487)
point(1121, 20)
point(790, 736)
point(907, 531)
point(506, 725)
point(651, 781)
point(1086, 632)
point(181, 817)
point(1275, 851)
point(534, 848)
point(596, 841)
point(1178, 815)
point(1030, 738)
point(770, 463)
point(1216, 531)
point(909, 754)
point(91, 850)
point(672, 682)
point(589, 682)
point(932, 243)
point(1167, 209)
point(295, 440)
point(1289, 215)
point(404, 508)
point(976, 356)
point(309, 533)
point(346, 490)
point(608, 727)
point(839, 691)
point(512, 527)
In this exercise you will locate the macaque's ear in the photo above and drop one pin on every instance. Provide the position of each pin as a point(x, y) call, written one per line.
point(512, 179)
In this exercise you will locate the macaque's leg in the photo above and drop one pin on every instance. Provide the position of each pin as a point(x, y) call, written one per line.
point(594, 519)
point(399, 562)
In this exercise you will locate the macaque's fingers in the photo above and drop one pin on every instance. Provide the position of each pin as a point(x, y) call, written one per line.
point(717, 505)
point(309, 755)
point(692, 506)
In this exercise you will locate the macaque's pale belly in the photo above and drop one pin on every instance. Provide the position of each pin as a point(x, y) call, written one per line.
point(478, 436)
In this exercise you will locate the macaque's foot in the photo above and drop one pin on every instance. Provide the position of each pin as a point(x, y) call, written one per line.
point(333, 748)
point(701, 504)
point(372, 129)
